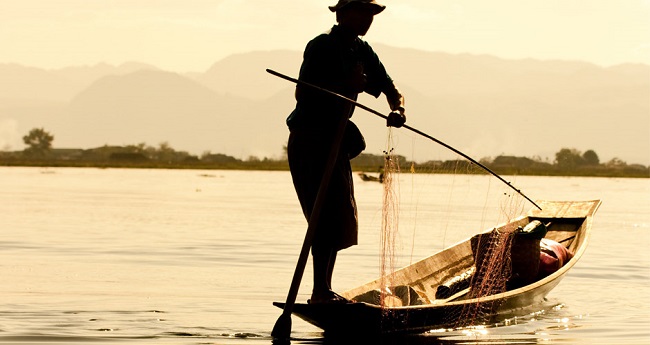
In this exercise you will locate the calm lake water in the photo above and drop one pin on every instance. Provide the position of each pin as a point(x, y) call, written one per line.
point(197, 257)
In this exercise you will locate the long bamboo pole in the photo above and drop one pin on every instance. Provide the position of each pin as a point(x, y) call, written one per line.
point(370, 110)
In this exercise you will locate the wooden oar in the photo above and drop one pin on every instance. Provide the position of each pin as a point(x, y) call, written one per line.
point(282, 327)
point(370, 110)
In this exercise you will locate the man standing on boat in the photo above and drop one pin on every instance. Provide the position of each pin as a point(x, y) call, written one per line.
point(341, 62)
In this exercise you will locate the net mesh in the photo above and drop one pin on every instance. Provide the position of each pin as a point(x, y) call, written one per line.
point(493, 264)
point(390, 224)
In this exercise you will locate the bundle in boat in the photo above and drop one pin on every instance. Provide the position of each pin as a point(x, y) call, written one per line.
point(455, 284)
point(552, 257)
point(525, 254)
point(506, 260)
point(393, 296)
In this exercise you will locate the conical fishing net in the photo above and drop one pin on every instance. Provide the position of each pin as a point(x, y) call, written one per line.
point(429, 222)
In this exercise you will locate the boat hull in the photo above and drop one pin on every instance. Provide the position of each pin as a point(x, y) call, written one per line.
point(570, 224)
point(370, 319)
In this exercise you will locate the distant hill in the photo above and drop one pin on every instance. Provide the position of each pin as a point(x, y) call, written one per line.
point(482, 105)
point(23, 83)
point(243, 74)
point(153, 107)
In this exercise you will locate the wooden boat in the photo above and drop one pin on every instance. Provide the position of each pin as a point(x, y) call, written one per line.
point(568, 223)
point(371, 178)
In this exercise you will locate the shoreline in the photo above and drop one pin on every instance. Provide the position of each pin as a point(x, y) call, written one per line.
point(459, 167)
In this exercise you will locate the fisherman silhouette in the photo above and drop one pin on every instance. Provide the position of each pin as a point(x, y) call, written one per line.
point(342, 62)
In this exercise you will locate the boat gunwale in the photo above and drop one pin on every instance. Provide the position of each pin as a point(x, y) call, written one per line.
point(559, 274)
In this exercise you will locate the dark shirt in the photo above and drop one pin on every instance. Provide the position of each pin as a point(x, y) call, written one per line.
point(329, 61)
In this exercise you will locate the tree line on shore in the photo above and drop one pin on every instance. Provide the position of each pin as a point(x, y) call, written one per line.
point(568, 161)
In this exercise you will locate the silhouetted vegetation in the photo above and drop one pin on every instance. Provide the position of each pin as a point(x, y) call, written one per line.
point(38, 141)
point(568, 161)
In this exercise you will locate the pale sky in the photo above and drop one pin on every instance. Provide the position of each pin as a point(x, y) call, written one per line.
point(190, 35)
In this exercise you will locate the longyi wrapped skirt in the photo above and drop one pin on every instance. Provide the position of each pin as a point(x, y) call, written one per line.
point(308, 152)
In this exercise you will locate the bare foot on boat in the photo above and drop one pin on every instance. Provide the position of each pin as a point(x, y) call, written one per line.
point(328, 297)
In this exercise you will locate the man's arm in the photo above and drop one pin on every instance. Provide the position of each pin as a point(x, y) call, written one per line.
point(396, 102)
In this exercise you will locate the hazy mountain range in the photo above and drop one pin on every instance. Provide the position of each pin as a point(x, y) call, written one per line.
point(482, 105)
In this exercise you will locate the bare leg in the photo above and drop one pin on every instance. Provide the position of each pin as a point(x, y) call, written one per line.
point(323, 269)
point(330, 268)
point(321, 276)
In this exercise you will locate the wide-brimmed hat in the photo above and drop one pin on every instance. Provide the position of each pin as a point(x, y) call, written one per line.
point(371, 3)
